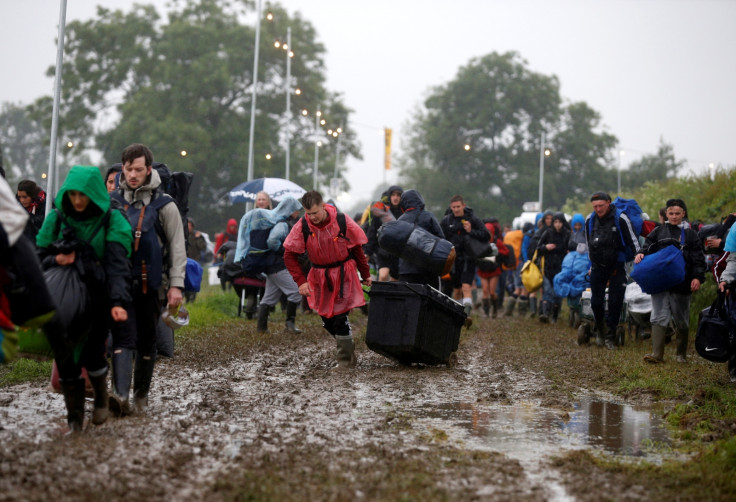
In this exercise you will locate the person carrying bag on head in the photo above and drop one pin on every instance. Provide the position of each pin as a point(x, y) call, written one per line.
point(674, 303)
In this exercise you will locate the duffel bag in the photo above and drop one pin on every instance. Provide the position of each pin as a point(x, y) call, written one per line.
point(714, 339)
point(660, 271)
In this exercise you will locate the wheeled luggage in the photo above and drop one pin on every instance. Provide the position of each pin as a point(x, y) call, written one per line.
point(413, 323)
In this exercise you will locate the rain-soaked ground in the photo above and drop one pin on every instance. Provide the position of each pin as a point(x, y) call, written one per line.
point(218, 420)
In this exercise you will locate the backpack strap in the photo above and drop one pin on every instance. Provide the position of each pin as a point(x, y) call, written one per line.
point(341, 223)
point(103, 222)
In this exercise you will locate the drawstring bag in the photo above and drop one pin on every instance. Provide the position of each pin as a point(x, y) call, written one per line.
point(662, 270)
point(715, 340)
point(531, 275)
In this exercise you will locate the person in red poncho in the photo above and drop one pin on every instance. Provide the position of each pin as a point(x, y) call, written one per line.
point(230, 234)
point(333, 286)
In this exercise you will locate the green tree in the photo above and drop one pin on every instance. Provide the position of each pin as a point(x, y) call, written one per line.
point(659, 166)
point(479, 135)
point(185, 83)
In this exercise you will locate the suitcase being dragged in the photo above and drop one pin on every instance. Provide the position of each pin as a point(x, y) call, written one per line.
point(413, 323)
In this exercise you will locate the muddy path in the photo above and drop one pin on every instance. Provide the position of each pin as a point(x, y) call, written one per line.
point(273, 421)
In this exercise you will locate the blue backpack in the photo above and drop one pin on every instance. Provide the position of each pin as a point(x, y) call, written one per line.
point(631, 209)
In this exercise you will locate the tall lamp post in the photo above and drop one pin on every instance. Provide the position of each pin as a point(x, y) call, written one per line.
point(53, 182)
point(618, 185)
point(253, 98)
point(287, 91)
point(317, 115)
point(543, 152)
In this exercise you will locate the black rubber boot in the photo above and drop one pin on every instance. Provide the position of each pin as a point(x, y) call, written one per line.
point(100, 411)
point(142, 381)
point(494, 307)
point(291, 318)
point(122, 372)
point(73, 391)
point(509, 307)
point(600, 333)
point(487, 306)
point(555, 313)
point(262, 322)
point(523, 305)
point(682, 336)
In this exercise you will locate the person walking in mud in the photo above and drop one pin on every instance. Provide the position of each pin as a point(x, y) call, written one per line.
point(82, 232)
point(260, 250)
point(333, 242)
point(460, 221)
point(608, 232)
point(159, 263)
point(674, 304)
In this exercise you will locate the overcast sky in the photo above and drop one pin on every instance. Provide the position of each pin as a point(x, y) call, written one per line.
point(652, 68)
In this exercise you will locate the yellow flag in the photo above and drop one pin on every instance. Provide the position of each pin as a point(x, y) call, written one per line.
point(387, 157)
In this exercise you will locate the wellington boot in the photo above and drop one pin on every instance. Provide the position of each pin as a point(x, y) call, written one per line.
point(523, 305)
point(494, 307)
point(487, 306)
point(555, 314)
point(345, 354)
point(601, 330)
point(508, 309)
point(291, 318)
point(544, 312)
point(658, 335)
point(73, 391)
point(122, 372)
point(532, 307)
point(468, 320)
point(262, 322)
point(682, 335)
point(142, 381)
point(100, 411)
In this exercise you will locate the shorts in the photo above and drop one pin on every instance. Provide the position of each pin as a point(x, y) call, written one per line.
point(388, 261)
point(463, 272)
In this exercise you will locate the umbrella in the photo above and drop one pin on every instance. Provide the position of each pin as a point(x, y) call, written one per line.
point(276, 188)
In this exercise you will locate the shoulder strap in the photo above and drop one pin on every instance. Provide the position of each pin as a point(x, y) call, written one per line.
point(103, 222)
point(305, 229)
point(340, 223)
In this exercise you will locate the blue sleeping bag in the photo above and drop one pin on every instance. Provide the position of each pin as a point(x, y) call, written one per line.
point(571, 281)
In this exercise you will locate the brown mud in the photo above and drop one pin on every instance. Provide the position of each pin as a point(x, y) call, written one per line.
point(236, 417)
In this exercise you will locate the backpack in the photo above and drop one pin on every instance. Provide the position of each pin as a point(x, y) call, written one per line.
point(175, 184)
point(259, 257)
point(510, 259)
point(633, 212)
point(714, 339)
point(340, 222)
point(148, 252)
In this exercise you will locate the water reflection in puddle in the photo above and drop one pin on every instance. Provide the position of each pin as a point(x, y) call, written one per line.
point(527, 429)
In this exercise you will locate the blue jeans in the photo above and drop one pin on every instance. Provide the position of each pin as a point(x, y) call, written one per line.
point(548, 293)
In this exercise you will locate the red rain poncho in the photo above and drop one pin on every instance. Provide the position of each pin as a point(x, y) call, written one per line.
point(325, 247)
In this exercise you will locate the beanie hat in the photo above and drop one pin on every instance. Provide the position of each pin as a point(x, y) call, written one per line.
point(600, 196)
point(678, 203)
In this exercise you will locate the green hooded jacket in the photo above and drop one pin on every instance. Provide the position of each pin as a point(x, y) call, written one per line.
point(88, 180)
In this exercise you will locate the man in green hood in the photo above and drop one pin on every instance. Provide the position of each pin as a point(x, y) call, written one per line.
point(86, 233)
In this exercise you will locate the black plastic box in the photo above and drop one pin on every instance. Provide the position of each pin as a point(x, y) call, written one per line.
point(413, 323)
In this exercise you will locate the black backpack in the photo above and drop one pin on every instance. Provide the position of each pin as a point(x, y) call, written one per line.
point(340, 223)
point(510, 259)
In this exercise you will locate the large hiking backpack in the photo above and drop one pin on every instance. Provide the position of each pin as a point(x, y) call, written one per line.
point(176, 184)
point(633, 212)
point(259, 256)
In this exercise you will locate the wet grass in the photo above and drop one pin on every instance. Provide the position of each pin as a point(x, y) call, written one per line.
point(24, 370)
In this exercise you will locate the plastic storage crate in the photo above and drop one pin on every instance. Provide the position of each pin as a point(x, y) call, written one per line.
point(413, 323)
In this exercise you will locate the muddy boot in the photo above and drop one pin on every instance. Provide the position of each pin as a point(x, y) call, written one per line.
point(658, 335)
point(544, 313)
point(508, 309)
point(494, 307)
point(100, 411)
point(601, 330)
point(250, 306)
point(532, 307)
point(291, 318)
point(682, 335)
point(73, 391)
point(467, 307)
point(487, 306)
point(345, 352)
point(555, 313)
point(262, 322)
point(142, 381)
point(122, 371)
point(523, 305)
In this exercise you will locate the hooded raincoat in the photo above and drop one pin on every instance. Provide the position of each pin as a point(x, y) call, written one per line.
point(325, 247)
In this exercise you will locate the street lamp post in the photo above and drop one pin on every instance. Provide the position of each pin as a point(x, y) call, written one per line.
point(618, 185)
point(253, 99)
point(541, 174)
point(53, 180)
point(289, 54)
point(317, 115)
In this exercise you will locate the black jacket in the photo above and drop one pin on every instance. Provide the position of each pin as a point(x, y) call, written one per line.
point(454, 231)
point(412, 205)
point(667, 235)
point(553, 258)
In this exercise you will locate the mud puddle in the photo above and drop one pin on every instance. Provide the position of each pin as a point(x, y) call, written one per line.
point(524, 429)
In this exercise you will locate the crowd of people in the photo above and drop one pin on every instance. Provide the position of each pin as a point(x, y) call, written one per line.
point(125, 238)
